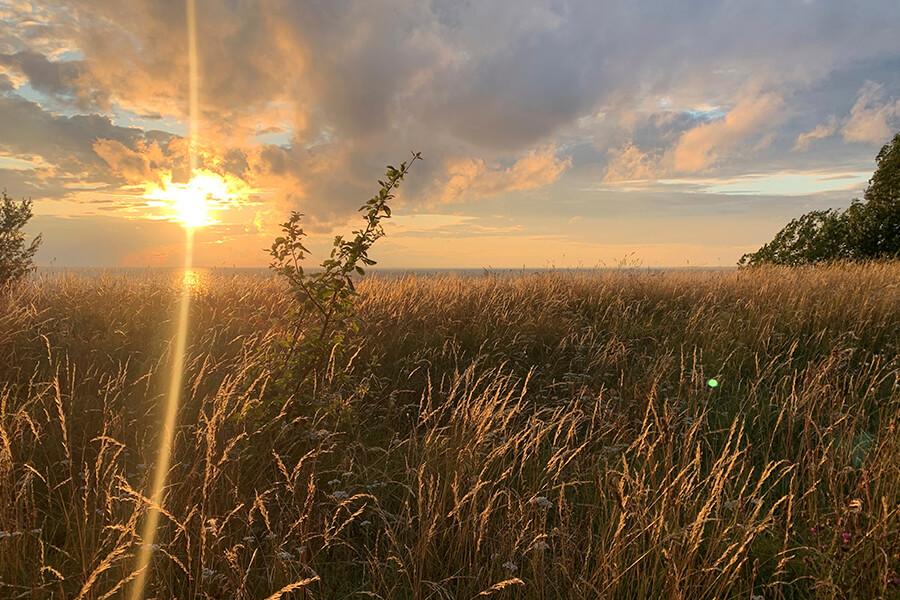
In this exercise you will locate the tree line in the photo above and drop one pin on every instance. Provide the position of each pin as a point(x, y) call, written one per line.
point(869, 229)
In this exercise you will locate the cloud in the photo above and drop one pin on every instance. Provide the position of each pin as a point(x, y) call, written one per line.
point(872, 116)
point(310, 100)
point(64, 80)
point(61, 145)
point(130, 164)
point(474, 178)
point(702, 146)
point(821, 131)
point(630, 164)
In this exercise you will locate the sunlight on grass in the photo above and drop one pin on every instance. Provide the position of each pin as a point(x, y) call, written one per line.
point(553, 434)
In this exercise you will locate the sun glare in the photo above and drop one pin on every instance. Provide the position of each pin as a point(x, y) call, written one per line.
point(192, 204)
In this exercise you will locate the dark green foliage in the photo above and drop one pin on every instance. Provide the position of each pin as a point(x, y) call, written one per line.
point(884, 187)
point(15, 255)
point(866, 230)
point(876, 224)
point(324, 299)
point(815, 237)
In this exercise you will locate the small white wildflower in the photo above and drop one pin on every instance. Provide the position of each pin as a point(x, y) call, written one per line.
point(65, 462)
point(334, 482)
point(249, 539)
point(541, 545)
point(757, 597)
point(271, 536)
point(36, 532)
point(365, 523)
point(3, 535)
point(150, 547)
point(207, 572)
point(284, 555)
point(731, 504)
point(541, 501)
point(346, 474)
point(141, 466)
point(300, 549)
point(340, 495)
point(510, 566)
point(15, 533)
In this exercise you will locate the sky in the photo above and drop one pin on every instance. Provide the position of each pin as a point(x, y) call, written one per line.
point(554, 133)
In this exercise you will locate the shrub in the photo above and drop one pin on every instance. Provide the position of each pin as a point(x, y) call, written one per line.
point(15, 255)
point(323, 313)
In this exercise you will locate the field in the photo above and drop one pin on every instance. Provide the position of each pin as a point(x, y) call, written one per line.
point(537, 436)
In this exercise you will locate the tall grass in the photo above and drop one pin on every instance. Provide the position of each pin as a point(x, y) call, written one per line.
point(540, 436)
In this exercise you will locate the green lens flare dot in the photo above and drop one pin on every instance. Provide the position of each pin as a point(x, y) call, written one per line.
point(712, 383)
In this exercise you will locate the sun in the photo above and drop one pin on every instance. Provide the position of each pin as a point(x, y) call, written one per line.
point(192, 204)
point(194, 201)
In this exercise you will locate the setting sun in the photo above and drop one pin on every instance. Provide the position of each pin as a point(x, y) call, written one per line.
point(193, 203)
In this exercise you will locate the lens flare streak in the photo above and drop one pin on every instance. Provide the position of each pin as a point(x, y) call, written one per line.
point(195, 213)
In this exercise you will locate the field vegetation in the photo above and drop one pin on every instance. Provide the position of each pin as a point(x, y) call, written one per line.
point(531, 436)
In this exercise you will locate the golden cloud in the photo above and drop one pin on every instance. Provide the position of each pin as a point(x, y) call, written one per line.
point(700, 147)
point(474, 178)
point(630, 163)
point(871, 116)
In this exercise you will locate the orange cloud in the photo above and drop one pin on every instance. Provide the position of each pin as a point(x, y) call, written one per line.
point(474, 178)
point(133, 166)
point(821, 131)
point(871, 116)
point(630, 163)
point(700, 147)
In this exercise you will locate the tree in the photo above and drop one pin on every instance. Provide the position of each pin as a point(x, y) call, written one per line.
point(866, 230)
point(815, 237)
point(875, 225)
point(15, 255)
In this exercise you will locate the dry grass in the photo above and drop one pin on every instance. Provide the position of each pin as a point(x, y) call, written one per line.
point(546, 436)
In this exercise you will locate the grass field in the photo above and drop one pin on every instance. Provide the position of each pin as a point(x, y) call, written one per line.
point(535, 436)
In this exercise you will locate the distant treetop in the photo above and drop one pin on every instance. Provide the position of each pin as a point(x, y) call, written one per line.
point(866, 230)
